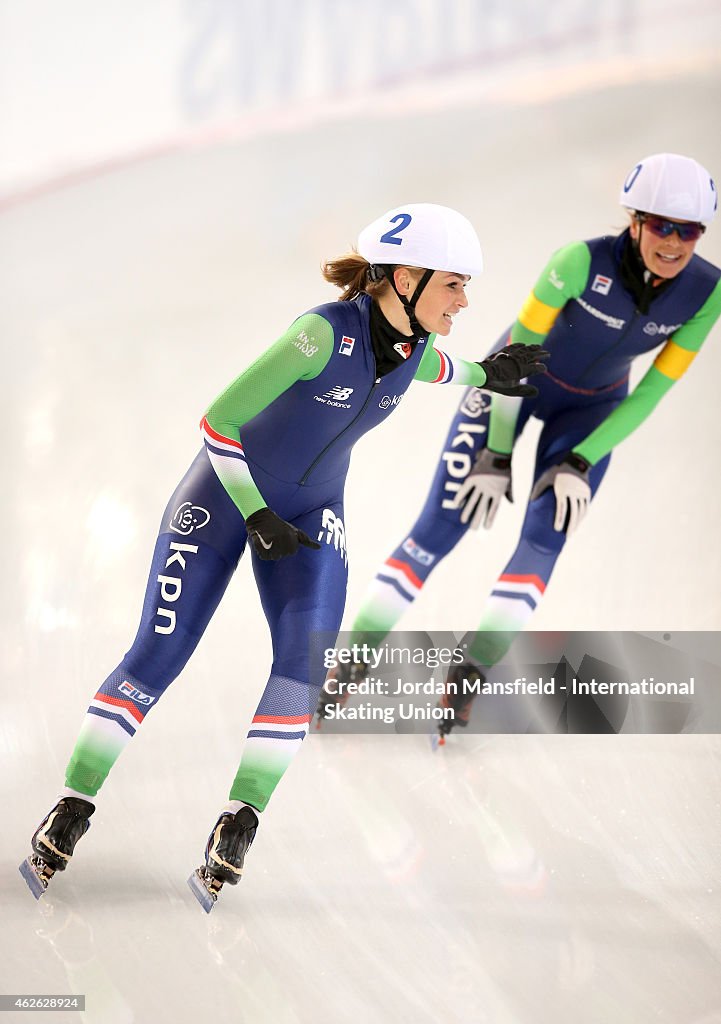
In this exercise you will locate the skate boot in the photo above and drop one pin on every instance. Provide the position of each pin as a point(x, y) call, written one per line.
point(335, 689)
point(457, 699)
point(225, 852)
point(54, 842)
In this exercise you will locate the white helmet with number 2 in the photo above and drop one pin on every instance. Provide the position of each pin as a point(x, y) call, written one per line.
point(423, 235)
point(670, 186)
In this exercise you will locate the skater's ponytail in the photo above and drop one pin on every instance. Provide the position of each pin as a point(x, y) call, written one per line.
point(350, 273)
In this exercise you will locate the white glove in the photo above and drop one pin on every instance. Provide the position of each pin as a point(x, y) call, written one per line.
point(570, 483)
point(481, 492)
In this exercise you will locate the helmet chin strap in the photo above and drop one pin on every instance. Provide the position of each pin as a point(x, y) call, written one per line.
point(648, 275)
point(408, 304)
point(650, 281)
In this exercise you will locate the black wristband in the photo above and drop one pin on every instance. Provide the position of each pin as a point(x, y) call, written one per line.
point(500, 460)
point(578, 462)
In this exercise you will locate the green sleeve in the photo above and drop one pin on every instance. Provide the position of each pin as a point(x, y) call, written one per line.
point(644, 398)
point(564, 277)
point(624, 419)
point(437, 367)
point(300, 354)
point(694, 332)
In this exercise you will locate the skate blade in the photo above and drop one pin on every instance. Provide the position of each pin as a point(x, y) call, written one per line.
point(200, 890)
point(36, 884)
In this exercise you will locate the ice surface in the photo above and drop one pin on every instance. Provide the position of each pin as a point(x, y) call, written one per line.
point(516, 880)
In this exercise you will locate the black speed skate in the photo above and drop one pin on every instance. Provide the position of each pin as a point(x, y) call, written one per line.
point(54, 842)
point(335, 689)
point(457, 699)
point(225, 852)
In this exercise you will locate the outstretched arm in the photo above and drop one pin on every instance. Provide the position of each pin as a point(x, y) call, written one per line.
point(437, 367)
point(503, 371)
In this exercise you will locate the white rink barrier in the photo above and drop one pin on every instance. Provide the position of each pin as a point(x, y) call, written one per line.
point(88, 85)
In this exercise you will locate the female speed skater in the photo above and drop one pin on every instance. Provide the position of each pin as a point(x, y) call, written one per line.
point(596, 306)
point(272, 469)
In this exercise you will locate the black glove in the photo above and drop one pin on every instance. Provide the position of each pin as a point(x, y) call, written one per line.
point(272, 538)
point(506, 369)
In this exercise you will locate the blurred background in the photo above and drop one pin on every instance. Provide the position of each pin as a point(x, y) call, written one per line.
point(172, 174)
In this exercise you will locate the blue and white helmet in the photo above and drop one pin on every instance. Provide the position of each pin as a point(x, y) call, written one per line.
point(423, 235)
point(671, 186)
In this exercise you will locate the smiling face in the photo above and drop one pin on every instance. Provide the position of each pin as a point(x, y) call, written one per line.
point(441, 299)
point(664, 257)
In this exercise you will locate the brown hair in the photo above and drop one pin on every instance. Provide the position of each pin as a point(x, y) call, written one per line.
point(350, 273)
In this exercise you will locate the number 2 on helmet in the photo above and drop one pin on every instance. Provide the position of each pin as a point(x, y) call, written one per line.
point(391, 236)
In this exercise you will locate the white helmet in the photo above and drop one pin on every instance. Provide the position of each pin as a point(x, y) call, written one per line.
point(423, 235)
point(670, 186)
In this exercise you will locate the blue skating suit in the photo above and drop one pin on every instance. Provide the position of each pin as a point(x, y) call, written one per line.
point(298, 449)
point(592, 343)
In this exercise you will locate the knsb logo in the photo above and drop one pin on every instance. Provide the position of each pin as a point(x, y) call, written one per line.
point(188, 517)
point(346, 345)
point(305, 344)
point(333, 532)
point(137, 695)
point(417, 553)
point(388, 400)
point(475, 403)
point(601, 284)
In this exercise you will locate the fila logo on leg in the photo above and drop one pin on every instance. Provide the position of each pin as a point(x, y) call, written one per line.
point(137, 695)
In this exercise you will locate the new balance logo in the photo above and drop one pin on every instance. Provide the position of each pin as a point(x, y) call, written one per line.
point(337, 397)
point(333, 532)
point(339, 394)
